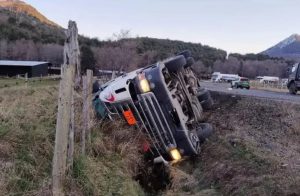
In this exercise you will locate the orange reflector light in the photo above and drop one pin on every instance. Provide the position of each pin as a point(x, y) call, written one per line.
point(129, 117)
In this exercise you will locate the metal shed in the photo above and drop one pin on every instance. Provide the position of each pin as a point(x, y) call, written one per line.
point(32, 68)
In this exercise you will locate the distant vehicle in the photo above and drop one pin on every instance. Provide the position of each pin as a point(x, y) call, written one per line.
point(241, 83)
point(294, 79)
point(268, 79)
point(284, 81)
point(219, 77)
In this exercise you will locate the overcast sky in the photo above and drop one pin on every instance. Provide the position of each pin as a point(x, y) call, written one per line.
point(242, 26)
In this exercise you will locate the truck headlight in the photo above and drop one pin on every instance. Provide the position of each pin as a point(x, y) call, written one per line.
point(175, 154)
point(143, 83)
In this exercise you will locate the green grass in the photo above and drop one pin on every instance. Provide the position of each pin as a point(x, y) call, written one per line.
point(27, 126)
point(9, 82)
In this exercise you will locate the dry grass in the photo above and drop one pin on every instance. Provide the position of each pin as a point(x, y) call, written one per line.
point(255, 150)
point(112, 162)
point(269, 87)
point(27, 128)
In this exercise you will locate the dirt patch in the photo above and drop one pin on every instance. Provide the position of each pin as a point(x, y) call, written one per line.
point(255, 150)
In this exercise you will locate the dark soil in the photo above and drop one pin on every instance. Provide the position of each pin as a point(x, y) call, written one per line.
point(255, 150)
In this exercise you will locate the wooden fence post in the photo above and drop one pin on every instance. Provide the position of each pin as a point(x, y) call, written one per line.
point(64, 137)
point(84, 114)
point(62, 130)
point(87, 83)
point(89, 103)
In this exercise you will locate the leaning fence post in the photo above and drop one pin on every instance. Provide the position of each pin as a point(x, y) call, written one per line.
point(84, 114)
point(62, 131)
point(89, 103)
point(64, 136)
point(87, 83)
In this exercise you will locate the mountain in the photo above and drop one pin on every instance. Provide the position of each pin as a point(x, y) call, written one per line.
point(22, 7)
point(288, 48)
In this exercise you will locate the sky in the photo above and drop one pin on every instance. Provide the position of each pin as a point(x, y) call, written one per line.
point(243, 26)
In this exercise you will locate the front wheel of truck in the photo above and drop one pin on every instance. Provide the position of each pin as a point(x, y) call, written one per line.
point(204, 131)
point(293, 88)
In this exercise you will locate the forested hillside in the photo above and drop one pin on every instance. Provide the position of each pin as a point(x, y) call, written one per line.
point(28, 36)
point(24, 37)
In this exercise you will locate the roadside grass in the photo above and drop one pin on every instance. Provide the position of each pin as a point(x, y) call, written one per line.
point(27, 126)
point(27, 134)
point(111, 162)
point(8, 82)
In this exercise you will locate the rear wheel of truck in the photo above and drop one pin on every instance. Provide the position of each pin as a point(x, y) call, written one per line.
point(293, 88)
point(186, 53)
point(189, 62)
point(205, 99)
point(96, 87)
point(176, 63)
point(204, 131)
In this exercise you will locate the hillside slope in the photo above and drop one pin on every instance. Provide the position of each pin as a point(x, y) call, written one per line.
point(22, 7)
point(288, 48)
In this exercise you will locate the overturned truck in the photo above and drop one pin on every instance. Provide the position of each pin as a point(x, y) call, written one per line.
point(166, 102)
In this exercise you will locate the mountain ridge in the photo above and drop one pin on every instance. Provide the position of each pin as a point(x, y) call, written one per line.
point(22, 7)
point(287, 48)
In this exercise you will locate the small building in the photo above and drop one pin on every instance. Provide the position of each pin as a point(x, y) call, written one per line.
point(32, 68)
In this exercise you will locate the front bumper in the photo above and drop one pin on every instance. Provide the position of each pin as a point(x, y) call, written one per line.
point(150, 120)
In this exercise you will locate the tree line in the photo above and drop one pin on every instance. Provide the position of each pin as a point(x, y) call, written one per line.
point(23, 37)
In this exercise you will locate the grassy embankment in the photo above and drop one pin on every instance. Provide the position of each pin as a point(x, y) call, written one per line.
point(27, 128)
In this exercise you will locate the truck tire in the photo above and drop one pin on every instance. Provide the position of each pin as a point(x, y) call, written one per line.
point(205, 99)
point(96, 86)
point(176, 63)
point(204, 131)
point(186, 53)
point(293, 88)
point(189, 62)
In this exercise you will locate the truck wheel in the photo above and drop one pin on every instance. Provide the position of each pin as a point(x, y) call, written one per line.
point(197, 109)
point(96, 86)
point(293, 89)
point(204, 131)
point(205, 99)
point(186, 53)
point(189, 62)
point(176, 63)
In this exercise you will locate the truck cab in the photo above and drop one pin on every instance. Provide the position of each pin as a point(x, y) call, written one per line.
point(294, 79)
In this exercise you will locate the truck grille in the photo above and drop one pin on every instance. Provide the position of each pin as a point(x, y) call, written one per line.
point(151, 120)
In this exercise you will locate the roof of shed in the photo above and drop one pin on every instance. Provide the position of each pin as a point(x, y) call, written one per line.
point(21, 63)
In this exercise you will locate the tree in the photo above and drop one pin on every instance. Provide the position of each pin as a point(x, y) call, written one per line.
point(87, 58)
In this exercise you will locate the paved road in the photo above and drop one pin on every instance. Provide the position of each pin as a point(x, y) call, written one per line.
point(225, 87)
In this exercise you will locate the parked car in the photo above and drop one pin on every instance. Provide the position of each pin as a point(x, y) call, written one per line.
point(294, 79)
point(165, 100)
point(241, 83)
